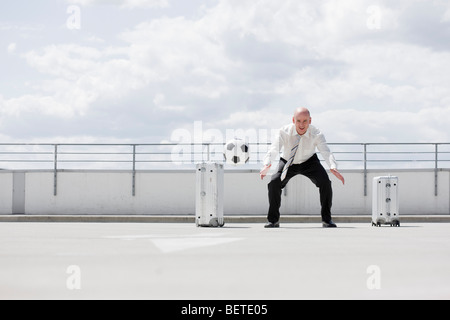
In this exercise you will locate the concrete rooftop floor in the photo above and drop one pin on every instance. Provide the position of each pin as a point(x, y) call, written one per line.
point(240, 261)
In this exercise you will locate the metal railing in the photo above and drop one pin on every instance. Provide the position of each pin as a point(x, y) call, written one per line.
point(134, 157)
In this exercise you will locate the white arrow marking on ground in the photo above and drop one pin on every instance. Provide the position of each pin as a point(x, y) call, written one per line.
point(166, 243)
point(178, 244)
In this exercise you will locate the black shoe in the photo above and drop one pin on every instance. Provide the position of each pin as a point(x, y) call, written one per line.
point(272, 225)
point(328, 224)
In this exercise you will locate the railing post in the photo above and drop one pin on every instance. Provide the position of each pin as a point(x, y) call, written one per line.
point(365, 169)
point(436, 167)
point(55, 170)
point(133, 186)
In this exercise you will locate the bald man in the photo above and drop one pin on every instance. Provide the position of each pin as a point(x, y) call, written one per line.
point(298, 142)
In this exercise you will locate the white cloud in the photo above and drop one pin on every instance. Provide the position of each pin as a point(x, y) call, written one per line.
point(249, 63)
point(446, 16)
point(353, 125)
point(83, 75)
point(145, 3)
point(12, 48)
point(130, 4)
point(34, 104)
point(386, 126)
point(65, 61)
point(255, 119)
point(174, 46)
point(159, 102)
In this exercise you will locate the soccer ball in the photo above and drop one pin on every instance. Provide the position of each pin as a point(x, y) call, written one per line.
point(236, 152)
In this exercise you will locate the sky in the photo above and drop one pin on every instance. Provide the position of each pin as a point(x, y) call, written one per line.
point(143, 71)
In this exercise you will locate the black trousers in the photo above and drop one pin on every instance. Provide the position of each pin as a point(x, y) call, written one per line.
point(313, 169)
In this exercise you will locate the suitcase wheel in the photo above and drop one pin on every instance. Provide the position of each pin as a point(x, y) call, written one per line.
point(214, 223)
point(393, 224)
point(376, 224)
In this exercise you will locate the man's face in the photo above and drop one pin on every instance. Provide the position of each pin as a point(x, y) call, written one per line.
point(302, 122)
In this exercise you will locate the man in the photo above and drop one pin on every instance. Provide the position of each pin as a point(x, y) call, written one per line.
point(299, 141)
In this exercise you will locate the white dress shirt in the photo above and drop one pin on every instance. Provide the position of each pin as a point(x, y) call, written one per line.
point(287, 137)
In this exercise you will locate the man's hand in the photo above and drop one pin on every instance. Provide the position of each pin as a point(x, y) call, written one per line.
point(338, 175)
point(264, 171)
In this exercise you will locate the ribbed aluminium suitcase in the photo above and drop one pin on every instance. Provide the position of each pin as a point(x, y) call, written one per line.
point(385, 201)
point(209, 195)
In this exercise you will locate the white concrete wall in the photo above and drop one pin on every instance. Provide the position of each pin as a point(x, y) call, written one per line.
point(110, 193)
point(6, 192)
point(416, 194)
point(173, 193)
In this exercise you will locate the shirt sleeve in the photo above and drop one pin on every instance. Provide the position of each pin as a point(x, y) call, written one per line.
point(325, 151)
point(274, 149)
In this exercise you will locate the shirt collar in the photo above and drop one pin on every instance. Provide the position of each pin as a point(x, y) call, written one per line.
point(306, 135)
point(308, 132)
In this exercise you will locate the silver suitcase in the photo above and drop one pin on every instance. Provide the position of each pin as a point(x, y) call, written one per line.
point(385, 201)
point(209, 195)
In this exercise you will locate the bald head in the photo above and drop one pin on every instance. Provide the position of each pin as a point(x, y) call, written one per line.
point(301, 120)
point(302, 111)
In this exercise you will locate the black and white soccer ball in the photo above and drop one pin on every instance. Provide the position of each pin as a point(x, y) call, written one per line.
point(236, 152)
